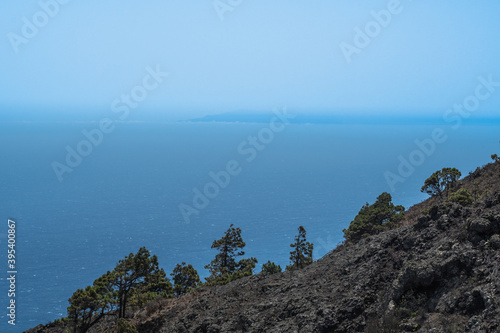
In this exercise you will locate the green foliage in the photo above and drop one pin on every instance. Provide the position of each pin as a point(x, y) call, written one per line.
point(302, 253)
point(440, 181)
point(270, 268)
point(495, 158)
point(462, 197)
point(60, 322)
point(185, 278)
point(137, 279)
point(87, 307)
point(229, 248)
point(244, 268)
point(224, 268)
point(124, 326)
point(139, 273)
point(374, 218)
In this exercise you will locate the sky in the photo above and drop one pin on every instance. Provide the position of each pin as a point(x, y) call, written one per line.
point(179, 59)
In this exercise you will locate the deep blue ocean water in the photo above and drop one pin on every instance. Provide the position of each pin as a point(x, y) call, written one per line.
point(126, 194)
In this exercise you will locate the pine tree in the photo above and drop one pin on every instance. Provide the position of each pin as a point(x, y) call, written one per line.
point(224, 268)
point(139, 272)
point(302, 253)
point(87, 307)
point(137, 279)
point(440, 181)
point(185, 278)
point(371, 219)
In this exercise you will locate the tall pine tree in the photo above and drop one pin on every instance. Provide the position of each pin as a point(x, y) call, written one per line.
point(224, 268)
point(302, 253)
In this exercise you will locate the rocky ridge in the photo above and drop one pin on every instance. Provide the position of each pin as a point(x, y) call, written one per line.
point(438, 272)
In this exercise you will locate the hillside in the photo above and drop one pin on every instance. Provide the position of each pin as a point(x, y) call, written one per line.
point(437, 272)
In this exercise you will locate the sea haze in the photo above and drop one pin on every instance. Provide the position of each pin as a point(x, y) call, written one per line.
point(126, 194)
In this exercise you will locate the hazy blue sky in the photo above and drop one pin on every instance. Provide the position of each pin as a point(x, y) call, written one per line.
point(261, 55)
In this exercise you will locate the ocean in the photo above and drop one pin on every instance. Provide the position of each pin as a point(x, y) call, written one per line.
point(127, 193)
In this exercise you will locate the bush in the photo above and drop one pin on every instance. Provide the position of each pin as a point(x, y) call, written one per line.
point(476, 173)
point(462, 197)
point(244, 268)
point(374, 218)
point(185, 278)
point(124, 326)
point(270, 268)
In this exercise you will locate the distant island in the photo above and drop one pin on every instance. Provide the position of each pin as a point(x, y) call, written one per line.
point(304, 117)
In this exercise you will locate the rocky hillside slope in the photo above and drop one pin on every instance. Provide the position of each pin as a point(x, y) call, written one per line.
point(438, 272)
